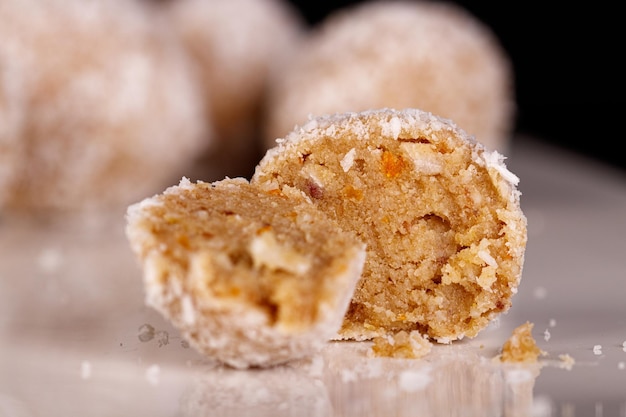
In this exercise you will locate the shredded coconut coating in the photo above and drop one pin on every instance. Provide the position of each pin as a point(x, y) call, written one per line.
point(429, 55)
point(439, 213)
point(521, 346)
point(250, 278)
point(110, 109)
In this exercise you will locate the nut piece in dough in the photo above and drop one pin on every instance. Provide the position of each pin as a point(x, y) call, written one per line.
point(250, 278)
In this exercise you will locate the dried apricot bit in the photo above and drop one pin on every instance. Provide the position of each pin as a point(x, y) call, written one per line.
point(263, 229)
point(392, 165)
point(275, 191)
point(353, 193)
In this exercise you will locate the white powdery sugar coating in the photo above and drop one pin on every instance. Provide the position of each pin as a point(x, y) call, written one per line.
point(621, 365)
point(552, 323)
point(183, 184)
point(597, 349)
point(393, 128)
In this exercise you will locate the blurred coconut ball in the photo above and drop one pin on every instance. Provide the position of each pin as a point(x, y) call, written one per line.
point(235, 44)
point(434, 56)
point(111, 109)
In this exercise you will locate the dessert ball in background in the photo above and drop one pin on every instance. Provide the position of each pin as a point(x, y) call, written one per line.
point(111, 112)
point(234, 45)
point(434, 56)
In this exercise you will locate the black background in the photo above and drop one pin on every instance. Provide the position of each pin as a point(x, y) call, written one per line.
point(568, 70)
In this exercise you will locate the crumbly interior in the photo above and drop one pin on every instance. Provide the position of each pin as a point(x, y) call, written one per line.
point(521, 346)
point(248, 247)
point(444, 245)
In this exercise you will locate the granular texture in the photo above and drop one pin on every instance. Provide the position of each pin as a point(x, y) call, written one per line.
point(439, 213)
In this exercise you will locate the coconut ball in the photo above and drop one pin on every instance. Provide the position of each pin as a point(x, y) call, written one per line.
point(111, 112)
point(435, 56)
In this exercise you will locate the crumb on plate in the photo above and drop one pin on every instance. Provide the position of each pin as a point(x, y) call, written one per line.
point(521, 346)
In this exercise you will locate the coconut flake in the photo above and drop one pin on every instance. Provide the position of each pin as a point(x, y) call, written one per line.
point(348, 160)
point(267, 251)
point(495, 160)
point(487, 258)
